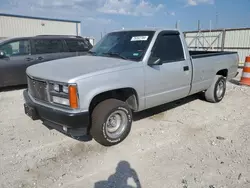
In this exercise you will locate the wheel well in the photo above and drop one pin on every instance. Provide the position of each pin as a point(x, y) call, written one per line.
point(127, 95)
point(222, 72)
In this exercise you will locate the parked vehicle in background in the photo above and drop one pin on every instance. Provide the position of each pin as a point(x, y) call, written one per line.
point(128, 71)
point(16, 54)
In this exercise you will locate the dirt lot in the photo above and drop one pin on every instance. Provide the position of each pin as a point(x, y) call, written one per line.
point(188, 143)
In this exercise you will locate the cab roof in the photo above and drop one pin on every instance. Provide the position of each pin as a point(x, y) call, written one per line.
point(148, 29)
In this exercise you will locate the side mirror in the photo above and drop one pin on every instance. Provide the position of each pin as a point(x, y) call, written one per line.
point(154, 61)
point(2, 54)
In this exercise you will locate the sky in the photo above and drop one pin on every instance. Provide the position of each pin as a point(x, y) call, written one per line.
point(102, 16)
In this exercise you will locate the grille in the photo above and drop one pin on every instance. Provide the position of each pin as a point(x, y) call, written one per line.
point(37, 89)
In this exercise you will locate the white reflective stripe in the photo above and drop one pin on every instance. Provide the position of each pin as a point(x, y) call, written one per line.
point(246, 75)
point(247, 64)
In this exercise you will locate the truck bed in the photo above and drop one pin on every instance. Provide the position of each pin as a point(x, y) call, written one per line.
point(207, 63)
point(201, 54)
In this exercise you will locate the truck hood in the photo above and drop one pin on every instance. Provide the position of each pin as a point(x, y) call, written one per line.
point(68, 69)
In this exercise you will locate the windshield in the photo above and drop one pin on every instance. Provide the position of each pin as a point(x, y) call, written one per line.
point(130, 45)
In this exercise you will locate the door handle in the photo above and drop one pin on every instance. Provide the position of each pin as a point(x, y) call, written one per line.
point(28, 59)
point(186, 68)
point(40, 58)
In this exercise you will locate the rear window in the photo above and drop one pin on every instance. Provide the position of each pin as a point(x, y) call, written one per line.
point(43, 46)
point(77, 45)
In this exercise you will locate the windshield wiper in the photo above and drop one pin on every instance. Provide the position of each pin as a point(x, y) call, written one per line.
point(114, 55)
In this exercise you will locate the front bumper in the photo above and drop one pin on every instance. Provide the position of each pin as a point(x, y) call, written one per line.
point(73, 124)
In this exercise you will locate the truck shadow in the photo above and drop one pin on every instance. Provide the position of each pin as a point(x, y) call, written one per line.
point(165, 107)
point(120, 178)
point(13, 88)
point(235, 82)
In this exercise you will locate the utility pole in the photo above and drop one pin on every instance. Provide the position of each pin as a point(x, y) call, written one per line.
point(199, 25)
point(177, 24)
point(210, 25)
point(216, 20)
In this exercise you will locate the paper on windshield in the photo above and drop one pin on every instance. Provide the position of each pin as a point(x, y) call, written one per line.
point(139, 38)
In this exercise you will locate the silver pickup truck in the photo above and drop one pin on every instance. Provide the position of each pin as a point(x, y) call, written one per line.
point(126, 71)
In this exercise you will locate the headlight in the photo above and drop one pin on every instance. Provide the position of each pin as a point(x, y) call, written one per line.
point(61, 88)
point(65, 89)
point(60, 100)
point(64, 94)
point(56, 87)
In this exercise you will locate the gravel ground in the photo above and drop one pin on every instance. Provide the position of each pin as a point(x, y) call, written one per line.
point(188, 143)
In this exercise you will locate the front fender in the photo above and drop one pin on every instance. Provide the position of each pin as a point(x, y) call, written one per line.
point(89, 97)
point(89, 87)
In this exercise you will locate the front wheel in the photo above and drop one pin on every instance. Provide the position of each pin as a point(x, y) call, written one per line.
point(111, 122)
point(216, 92)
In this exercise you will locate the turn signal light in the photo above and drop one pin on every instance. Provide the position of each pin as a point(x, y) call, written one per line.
point(73, 100)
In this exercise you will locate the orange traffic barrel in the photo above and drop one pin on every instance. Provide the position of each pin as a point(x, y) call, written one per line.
point(245, 78)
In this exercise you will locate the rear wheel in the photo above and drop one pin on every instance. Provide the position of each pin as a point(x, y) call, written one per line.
point(216, 92)
point(111, 122)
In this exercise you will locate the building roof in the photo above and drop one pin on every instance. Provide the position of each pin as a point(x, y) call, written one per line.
point(218, 30)
point(38, 18)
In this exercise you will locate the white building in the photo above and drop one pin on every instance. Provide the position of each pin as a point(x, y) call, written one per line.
point(21, 26)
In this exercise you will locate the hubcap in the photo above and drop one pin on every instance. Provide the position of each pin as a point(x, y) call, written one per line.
point(116, 124)
point(220, 89)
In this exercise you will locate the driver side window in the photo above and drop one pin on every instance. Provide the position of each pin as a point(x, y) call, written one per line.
point(16, 48)
point(168, 48)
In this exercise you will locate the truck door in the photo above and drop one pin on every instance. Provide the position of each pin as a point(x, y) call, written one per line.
point(13, 65)
point(171, 79)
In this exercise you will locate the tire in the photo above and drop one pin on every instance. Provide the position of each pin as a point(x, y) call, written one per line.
point(105, 131)
point(216, 92)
